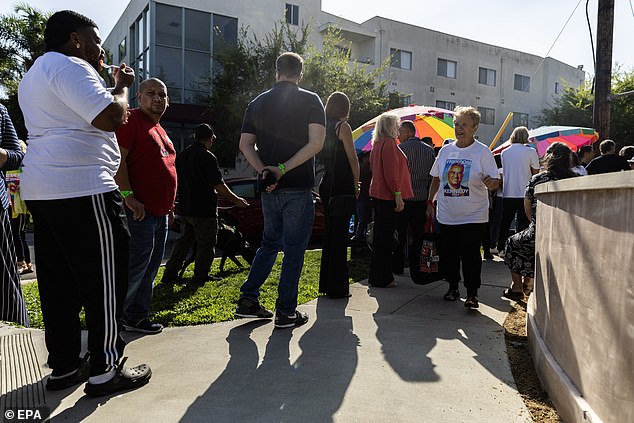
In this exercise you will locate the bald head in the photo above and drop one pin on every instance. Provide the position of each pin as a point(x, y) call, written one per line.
point(152, 97)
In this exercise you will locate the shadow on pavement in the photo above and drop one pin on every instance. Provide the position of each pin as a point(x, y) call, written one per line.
point(311, 388)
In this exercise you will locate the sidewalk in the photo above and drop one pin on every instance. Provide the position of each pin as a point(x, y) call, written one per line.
point(384, 355)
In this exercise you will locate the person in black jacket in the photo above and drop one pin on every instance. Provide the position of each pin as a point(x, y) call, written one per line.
point(608, 161)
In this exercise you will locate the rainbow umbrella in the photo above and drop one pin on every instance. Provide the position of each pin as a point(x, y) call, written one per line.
point(542, 137)
point(573, 137)
point(432, 122)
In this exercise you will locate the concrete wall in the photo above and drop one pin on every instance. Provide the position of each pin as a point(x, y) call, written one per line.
point(581, 315)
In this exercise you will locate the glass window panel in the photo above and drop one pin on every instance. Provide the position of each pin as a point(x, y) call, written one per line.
point(169, 25)
point(520, 119)
point(487, 115)
point(147, 29)
point(451, 69)
point(197, 30)
point(448, 105)
point(406, 60)
point(197, 67)
point(395, 60)
point(442, 67)
point(140, 44)
point(122, 50)
point(225, 32)
point(522, 83)
point(168, 66)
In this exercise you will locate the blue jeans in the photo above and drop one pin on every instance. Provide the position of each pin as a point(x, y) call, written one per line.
point(288, 221)
point(147, 245)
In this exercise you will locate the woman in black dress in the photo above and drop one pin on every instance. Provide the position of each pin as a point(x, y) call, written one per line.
point(341, 177)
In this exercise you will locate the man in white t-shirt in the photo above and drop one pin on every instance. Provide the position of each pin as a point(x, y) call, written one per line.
point(81, 240)
point(519, 162)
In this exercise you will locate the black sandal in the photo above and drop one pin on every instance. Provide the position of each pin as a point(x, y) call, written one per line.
point(471, 302)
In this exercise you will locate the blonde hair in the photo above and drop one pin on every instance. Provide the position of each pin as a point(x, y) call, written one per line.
point(519, 135)
point(468, 111)
point(386, 126)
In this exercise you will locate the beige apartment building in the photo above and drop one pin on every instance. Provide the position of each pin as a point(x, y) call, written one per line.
point(174, 40)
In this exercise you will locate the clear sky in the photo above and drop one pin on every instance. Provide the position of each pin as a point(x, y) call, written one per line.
point(529, 26)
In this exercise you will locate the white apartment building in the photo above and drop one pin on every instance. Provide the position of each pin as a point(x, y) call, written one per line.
point(175, 41)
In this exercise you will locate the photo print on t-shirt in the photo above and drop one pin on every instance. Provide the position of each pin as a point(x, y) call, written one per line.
point(456, 178)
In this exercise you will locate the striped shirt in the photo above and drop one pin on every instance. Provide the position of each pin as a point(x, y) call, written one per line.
point(420, 159)
point(9, 142)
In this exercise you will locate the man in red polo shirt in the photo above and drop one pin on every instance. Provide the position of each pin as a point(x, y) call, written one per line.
point(147, 180)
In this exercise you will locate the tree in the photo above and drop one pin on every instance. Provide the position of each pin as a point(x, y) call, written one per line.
point(21, 42)
point(574, 108)
point(241, 72)
point(244, 70)
point(332, 69)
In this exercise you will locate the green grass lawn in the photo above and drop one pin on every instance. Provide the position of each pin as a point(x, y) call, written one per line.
point(188, 304)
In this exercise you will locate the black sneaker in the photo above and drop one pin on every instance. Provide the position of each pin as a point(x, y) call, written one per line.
point(144, 326)
point(125, 379)
point(452, 295)
point(249, 308)
point(471, 302)
point(283, 321)
point(80, 375)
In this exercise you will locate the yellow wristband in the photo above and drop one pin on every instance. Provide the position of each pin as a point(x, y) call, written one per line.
point(282, 167)
point(126, 193)
point(397, 193)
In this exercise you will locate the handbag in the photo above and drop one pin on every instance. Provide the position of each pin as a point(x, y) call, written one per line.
point(340, 205)
point(424, 257)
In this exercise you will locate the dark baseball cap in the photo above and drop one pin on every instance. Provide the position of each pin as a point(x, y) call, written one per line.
point(204, 131)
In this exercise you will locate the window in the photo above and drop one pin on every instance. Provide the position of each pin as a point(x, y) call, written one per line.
point(447, 68)
point(487, 115)
point(557, 88)
point(522, 83)
point(225, 32)
point(169, 25)
point(197, 26)
point(401, 59)
point(169, 69)
point(447, 105)
point(139, 51)
point(405, 100)
point(122, 50)
point(292, 14)
point(520, 119)
point(487, 77)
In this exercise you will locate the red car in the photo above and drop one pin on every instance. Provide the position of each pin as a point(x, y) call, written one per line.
point(249, 220)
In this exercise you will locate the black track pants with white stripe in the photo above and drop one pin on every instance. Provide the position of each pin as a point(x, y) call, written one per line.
point(81, 254)
point(12, 307)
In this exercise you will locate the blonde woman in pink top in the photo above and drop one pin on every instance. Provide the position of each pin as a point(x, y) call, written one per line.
point(389, 186)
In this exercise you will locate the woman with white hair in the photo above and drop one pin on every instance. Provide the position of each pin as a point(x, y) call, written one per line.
point(467, 171)
point(389, 186)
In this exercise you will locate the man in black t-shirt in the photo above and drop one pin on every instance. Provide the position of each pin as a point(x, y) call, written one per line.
point(288, 125)
point(608, 161)
point(199, 181)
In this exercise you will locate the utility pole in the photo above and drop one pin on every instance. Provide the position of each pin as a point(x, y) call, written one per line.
point(603, 70)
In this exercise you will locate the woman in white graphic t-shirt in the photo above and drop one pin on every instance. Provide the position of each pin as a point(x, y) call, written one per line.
point(462, 174)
